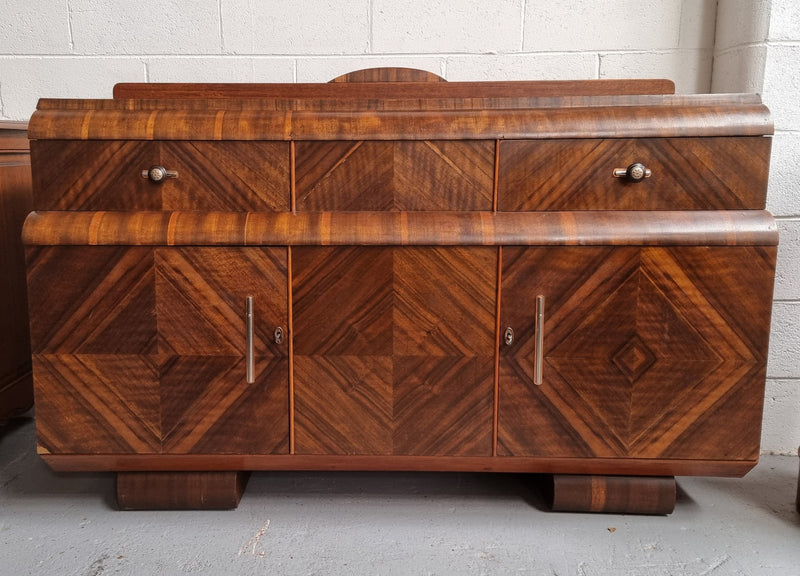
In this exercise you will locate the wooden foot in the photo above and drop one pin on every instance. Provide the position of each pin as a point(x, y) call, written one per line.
point(180, 490)
point(613, 494)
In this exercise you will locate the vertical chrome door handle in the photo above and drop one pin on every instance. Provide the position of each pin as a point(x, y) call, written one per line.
point(538, 336)
point(249, 356)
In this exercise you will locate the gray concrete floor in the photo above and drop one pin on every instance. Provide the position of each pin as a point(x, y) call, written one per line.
point(389, 523)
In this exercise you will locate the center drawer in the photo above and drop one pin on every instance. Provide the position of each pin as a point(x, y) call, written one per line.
point(202, 175)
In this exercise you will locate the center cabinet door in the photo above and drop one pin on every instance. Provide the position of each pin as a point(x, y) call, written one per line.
point(394, 350)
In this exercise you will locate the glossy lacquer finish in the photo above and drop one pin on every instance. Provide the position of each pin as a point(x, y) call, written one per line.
point(393, 272)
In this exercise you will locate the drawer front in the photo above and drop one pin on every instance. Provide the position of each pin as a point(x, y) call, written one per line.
point(686, 174)
point(108, 175)
point(395, 175)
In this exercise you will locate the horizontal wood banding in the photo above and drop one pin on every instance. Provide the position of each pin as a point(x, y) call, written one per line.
point(232, 462)
point(180, 490)
point(713, 228)
point(582, 122)
point(397, 102)
point(613, 494)
point(340, 89)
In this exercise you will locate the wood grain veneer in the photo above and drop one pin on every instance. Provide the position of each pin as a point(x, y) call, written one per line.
point(355, 462)
point(403, 84)
point(16, 386)
point(180, 491)
point(687, 174)
point(730, 227)
point(579, 122)
point(613, 494)
point(398, 103)
point(94, 175)
point(385, 329)
point(629, 364)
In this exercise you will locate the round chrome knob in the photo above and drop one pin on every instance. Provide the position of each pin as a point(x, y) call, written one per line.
point(635, 172)
point(158, 174)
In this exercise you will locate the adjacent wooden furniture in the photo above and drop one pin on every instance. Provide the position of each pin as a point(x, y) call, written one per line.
point(562, 277)
point(16, 384)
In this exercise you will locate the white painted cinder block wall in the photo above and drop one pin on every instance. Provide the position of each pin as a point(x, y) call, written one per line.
point(81, 48)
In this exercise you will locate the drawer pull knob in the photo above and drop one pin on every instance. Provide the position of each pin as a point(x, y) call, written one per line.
point(636, 172)
point(159, 174)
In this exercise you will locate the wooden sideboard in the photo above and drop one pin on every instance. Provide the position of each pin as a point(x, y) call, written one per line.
point(572, 278)
point(16, 385)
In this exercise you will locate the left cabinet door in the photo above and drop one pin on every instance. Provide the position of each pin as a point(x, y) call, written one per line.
point(142, 350)
point(207, 404)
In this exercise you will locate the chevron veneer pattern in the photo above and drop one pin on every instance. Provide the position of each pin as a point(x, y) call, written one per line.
point(107, 175)
point(142, 351)
point(388, 338)
point(687, 174)
point(395, 175)
point(648, 353)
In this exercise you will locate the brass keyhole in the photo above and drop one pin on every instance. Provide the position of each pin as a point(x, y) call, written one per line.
point(508, 337)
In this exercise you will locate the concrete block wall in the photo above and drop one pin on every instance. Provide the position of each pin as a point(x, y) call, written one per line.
point(757, 49)
point(81, 48)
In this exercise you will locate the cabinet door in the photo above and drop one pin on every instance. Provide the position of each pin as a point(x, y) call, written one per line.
point(394, 350)
point(139, 350)
point(207, 405)
point(94, 344)
point(646, 352)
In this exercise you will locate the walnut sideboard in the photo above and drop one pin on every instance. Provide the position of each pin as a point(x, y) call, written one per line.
point(396, 273)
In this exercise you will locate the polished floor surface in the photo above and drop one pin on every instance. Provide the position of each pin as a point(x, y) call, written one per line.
point(390, 523)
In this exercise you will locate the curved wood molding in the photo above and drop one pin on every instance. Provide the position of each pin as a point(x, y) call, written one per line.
point(588, 122)
point(396, 102)
point(668, 228)
point(389, 75)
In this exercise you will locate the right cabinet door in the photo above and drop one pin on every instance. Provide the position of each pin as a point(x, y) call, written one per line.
point(644, 353)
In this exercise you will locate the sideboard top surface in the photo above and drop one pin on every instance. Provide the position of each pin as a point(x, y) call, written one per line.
point(401, 111)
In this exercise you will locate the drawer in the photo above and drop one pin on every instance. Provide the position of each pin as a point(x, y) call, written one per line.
point(686, 174)
point(395, 175)
point(108, 175)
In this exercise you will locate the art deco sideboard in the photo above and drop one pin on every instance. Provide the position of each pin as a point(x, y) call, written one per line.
point(570, 278)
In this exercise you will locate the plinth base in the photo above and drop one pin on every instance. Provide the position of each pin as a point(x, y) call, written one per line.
point(180, 490)
point(613, 494)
